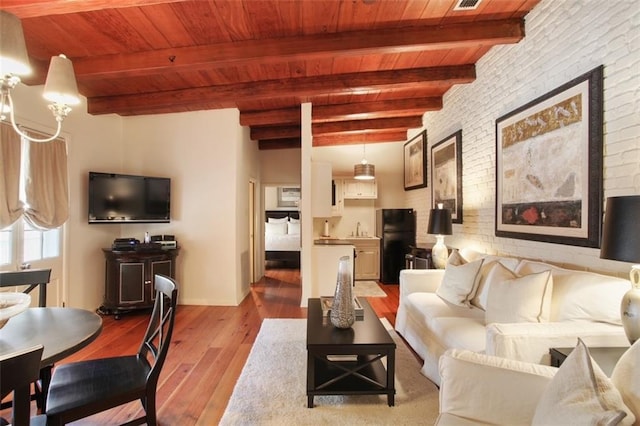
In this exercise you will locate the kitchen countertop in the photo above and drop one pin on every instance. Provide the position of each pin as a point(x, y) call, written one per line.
point(324, 241)
point(331, 242)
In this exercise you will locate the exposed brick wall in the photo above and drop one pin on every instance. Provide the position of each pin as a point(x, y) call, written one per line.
point(564, 39)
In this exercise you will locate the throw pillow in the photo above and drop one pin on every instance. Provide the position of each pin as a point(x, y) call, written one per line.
point(581, 394)
point(626, 378)
point(277, 220)
point(293, 228)
point(276, 228)
point(518, 299)
point(458, 283)
point(481, 293)
point(455, 259)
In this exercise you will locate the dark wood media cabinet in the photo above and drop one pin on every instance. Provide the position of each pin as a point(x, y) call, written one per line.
point(128, 283)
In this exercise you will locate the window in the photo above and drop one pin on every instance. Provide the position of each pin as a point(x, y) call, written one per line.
point(21, 243)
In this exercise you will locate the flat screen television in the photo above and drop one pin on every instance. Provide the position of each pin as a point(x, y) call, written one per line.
point(119, 198)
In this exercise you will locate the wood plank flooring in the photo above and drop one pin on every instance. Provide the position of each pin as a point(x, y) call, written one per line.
point(209, 348)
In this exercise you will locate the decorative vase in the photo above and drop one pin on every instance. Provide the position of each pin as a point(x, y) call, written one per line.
point(630, 307)
point(343, 313)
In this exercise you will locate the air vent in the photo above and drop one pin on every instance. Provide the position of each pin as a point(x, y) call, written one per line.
point(467, 4)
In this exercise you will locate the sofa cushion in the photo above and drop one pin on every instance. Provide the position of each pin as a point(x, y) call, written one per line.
point(461, 332)
point(428, 306)
point(580, 393)
point(479, 299)
point(459, 281)
point(580, 295)
point(626, 378)
point(514, 298)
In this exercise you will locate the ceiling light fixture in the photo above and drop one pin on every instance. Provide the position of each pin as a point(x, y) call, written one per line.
point(364, 170)
point(60, 87)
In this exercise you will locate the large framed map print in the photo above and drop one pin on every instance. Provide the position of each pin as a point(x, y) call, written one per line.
point(549, 166)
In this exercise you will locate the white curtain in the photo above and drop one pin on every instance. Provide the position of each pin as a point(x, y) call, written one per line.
point(10, 205)
point(46, 187)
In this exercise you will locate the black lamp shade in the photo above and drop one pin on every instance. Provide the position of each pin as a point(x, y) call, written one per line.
point(440, 222)
point(621, 229)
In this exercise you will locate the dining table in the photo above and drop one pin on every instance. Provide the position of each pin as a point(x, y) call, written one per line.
point(62, 332)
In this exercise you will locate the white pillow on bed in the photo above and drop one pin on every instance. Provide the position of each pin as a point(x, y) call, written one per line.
point(275, 228)
point(277, 220)
point(294, 220)
point(293, 228)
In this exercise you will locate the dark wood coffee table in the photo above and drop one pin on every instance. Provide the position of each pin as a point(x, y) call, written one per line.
point(349, 361)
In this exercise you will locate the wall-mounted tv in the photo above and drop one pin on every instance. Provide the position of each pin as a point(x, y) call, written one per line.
point(119, 198)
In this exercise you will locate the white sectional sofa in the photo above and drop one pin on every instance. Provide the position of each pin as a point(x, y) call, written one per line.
point(480, 389)
point(506, 307)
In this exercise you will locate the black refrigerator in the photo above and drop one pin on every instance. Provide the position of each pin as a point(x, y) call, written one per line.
point(396, 229)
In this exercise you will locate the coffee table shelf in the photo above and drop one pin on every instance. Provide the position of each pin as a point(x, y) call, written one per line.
point(367, 340)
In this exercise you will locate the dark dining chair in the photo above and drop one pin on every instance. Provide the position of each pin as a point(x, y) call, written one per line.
point(32, 279)
point(17, 371)
point(84, 388)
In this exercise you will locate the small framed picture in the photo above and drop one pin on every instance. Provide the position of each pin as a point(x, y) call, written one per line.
point(415, 162)
point(446, 175)
point(288, 196)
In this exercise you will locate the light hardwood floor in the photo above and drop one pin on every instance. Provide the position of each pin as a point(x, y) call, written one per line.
point(209, 348)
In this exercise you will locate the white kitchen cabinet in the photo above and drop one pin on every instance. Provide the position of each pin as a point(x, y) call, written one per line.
point(360, 189)
point(337, 205)
point(367, 261)
point(326, 258)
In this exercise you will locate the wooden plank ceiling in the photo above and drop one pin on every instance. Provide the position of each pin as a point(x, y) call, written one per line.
point(371, 68)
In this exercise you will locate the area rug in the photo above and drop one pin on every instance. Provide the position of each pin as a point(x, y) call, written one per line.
point(368, 289)
point(271, 389)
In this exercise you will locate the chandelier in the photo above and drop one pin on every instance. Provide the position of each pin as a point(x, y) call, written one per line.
point(60, 87)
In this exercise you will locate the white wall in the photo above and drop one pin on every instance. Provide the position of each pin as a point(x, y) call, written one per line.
point(210, 163)
point(203, 154)
point(563, 41)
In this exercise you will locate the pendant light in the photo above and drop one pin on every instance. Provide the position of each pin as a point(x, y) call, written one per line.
point(364, 170)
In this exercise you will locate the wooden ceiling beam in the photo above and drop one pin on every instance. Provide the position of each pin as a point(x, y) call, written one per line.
point(360, 138)
point(279, 143)
point(395, 123)
point(297, 87)
point(271, 116)
point(275, 132)
point(386, 108)
point(340, 112)
point(308, 48)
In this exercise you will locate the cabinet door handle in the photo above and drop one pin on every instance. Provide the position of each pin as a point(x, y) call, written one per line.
point(147, 281)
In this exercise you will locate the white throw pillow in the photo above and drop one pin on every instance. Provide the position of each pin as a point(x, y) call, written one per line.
point(581, 394)
point(293, 228)
point(276, 228)
point(580, 295)
point(482, 291)
point(459, 282)
point(626, 378)
point(277, 220)
point(518, 299)
point(455, 259)
point(294, 220)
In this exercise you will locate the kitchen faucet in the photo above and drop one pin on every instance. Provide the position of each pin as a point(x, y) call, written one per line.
point(358, 229)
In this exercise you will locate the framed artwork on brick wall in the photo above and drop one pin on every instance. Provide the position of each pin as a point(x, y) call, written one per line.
point(415, 162)
point(549, 166)
point(446, 175)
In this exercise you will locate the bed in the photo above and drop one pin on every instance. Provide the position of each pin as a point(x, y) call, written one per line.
point(282, 238)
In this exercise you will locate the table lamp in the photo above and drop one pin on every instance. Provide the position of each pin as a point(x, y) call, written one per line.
point(440, 225)
point(621, 241)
